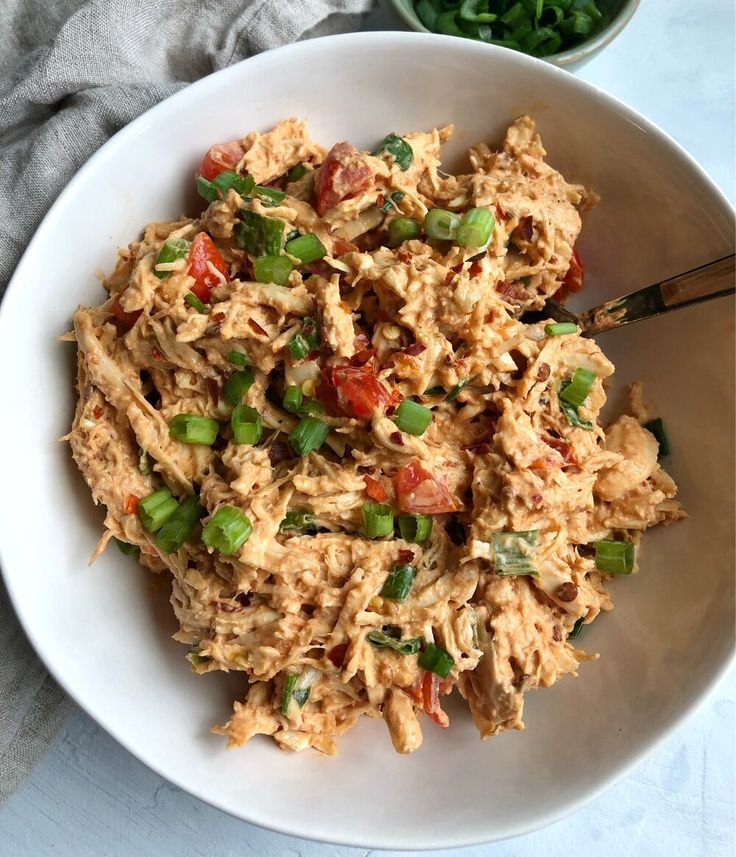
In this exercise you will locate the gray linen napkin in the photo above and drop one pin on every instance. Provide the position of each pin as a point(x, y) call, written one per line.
point(72, 73)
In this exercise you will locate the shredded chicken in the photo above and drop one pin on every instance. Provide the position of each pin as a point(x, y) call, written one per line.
point(327, 619)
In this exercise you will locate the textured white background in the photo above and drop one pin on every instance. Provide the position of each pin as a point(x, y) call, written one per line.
point(88, 797)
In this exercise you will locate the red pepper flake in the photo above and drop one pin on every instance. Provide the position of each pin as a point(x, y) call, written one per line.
point(361, 358)
point(361, 342)
point(257, 327)
point(404, 256)
point(380, 200)
point(337, 655)
point(374, 489)
point(500, 212)
point(475, 268)
point(214, 390)
point(157, 355)
point(490, 316)
point(395, 437)
point(130, 507)
point(218, 316)
point(406, 556)
point(415, 350)
point(449, 278)
point(97, 412)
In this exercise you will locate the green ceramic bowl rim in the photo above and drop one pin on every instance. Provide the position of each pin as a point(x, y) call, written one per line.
point(404, 8)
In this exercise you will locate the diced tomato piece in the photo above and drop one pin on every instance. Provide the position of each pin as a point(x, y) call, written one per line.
point(420, 493)
point(223, 156)
point(431, 699)
point(574, 278)
point(337, 655)
point(130, 507)
point(126, 319)
point(374, 489)
point(351, 391)
point(344, 174)
point(202, 251)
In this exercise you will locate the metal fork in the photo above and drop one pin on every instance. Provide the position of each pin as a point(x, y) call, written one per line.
point(714, 280)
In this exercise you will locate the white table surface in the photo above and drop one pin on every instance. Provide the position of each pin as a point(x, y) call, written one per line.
point(88, 797)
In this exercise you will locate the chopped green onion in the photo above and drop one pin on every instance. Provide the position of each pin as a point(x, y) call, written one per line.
point(412, 417)
point(287, 692)
point(299, 347)
point(222, 182)
point(410, 646)
point(124, 547)
point(293, 398)
point(307, 248)
point(436, 660)
point(415, 528)
point(192, 428)
point(576, 629)
point(155, 509)
point(571, 413)
point(247, 424)
point(435, 391)
point(308, 435)
point(311, 406)
point(427, 13)
point(398, 583)
point(300, 520)
point(178, 528)
point(576, 392)
point(172, 250)
point(206, 189)
point(441, 224)
point(560, 328)
point(297, 172)
point(237, 385)
point(457, 389)
point(614, 557)
point(238, 358)
point(227, 530)
point(402, 229)
point(513, 552)
point(470, 10)
point(196, 303)
point(259, 235)
point(310, 329)
point(399, 148)
point(273, 269)
point(196, 659)
point(475, 228)
point(378, 520)
point(392, 202)
point(297, 687)
point(270, 196)
point(656, 427)
point(292, 234)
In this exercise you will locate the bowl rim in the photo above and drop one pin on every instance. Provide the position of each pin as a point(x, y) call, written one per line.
point(563, 58)
point(175, 102)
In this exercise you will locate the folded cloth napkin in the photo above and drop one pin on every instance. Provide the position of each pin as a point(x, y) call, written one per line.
point(72, 73)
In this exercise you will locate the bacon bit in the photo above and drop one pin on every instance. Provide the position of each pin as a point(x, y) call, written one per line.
point(406, 556)
point(337, 655)
point(362, 358)
point(475, 268)
point(226, 606)
point(490, 316)
point(509, 290)
point(573, 280)
point(404, 255)
point(214, 390)
point(279, 451)
point(157, 355)
point(98, 412)
point(395, 437)
point(553, 259)
point(431, 699)
point(543, 464)
point(396, 397)
point(478, 448)
point(450, 277)
point(341, 246)
point(562, 446)
point(500, 212)
point(218, 316)
point(380, 200)
point(557, 633)
point(374, 489)
point(536, 499)
point(257, 327)
point(526, 227)
point(415, 350)
point(243, 598)
point(130, 507)
point(543, 372)
point(361, 342)
point(390, 411)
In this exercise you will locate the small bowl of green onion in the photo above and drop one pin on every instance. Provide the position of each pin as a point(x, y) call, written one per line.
point(564, 32)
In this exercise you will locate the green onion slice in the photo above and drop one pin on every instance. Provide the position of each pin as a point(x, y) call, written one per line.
point(399, 581)
point(247, 424)
point(155, 509)
point(393, 201)
point(298, 347)
point(299, 520)
point(192, 428)
point(172, 250)
point(206, 189)
point(457, 389)
point(560, 328)
point(571, 413)
point(307, 248)
point(412, 417)
point(297, 687)
point(273, 269)
point(475, 228)
point(238, 358)
point(237, 385)
point(410, 646)
point(308, 435)
point(293, 398)
point(403, 229)
point(576, 391)
point(297, 172)
point(269, 196)
point(614, 557)
point(125, 547)
point(656, 427)
point(196, 659)
point(576, 629)
point(513, 552)
point(259, 235)
point(415, 528)
point(436, 660)
point(228, 529)
point(435, 391)
point(378, 520)
point(441, 224)
point(399, 148)
point(196, 303)
point(179, 527)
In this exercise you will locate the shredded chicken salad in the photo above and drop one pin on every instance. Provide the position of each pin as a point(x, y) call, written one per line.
point(317, 407)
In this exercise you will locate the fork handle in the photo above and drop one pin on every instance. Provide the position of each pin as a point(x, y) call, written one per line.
point(714, 280)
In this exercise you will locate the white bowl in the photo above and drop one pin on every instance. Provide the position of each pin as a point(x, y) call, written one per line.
point(104, 632)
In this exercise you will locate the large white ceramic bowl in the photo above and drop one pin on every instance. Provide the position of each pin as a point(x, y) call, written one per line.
point(104, 631)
